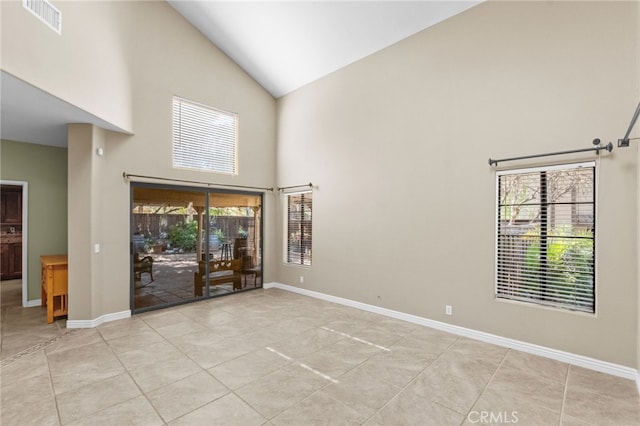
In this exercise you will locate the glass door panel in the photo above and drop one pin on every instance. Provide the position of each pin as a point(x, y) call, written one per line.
point(165, 225)
point(192, 243)
point(235, 231)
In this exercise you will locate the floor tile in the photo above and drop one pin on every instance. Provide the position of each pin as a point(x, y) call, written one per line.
point(154, 353)
point(319, 409)
point(361, 391)
point(184, 396)
point(154, 375)
point(207, 348)
point(134, 412)
point(81, 366)
point(549, 368)
point(25, 367)
point(132, 341)
point(600, 383)
point(247, 368)
point(28, 402)
point(89, 399)
point(124, 327)
point(454, 381)
point(307, 342)
point(411, 409)
point(598, 409)
point(500, 408)
point(79, 337)
point(277, 391)
point(521, 385)
point(277, 358)
point(228, 411)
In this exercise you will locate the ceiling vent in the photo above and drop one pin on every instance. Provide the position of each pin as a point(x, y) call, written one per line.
point(46, 12)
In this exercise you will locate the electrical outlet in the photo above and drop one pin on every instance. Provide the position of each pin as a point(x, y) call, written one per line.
point(448, 310)
point(301, 279)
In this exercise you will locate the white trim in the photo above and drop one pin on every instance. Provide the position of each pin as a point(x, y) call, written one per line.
point(26, 303)
point(100, 320)
point(638, 381)
point(563, 166)
point(33, 303)
point(569, 358)
point(269, 285)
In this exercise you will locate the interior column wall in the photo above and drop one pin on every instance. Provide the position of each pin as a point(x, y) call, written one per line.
point(86, 210)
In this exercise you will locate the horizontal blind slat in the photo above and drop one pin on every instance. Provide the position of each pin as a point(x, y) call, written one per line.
point(204, 138)
point(545, 237)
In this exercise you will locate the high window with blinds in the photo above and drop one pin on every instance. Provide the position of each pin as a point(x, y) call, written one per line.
point(299, 214)
point(546, 236)
point(204, 138)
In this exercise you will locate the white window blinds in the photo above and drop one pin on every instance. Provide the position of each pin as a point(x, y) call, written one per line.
point(299, 229)
point(204, 138)
point(546, 236)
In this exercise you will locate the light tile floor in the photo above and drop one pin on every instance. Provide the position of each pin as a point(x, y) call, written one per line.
point(277, 358)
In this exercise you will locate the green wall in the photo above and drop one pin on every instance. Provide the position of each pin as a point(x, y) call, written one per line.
point(45, 170)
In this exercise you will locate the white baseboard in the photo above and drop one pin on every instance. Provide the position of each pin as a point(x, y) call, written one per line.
point(100, 320)
point(569, 358)
point(33, 303)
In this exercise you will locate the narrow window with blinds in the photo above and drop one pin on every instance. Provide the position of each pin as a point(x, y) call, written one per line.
point(204, 138)
point(546, 236)
point(299, 213)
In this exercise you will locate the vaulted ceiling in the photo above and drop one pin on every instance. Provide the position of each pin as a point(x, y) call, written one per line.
point(283, 45)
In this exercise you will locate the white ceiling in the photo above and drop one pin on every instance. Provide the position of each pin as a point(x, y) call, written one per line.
point(282, 45)
point(285, 45)
point(28, 114)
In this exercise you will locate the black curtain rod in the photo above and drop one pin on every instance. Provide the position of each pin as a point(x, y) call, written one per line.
point(597, 149)
point(624, 142)
point(129, 176)
point(295, 186)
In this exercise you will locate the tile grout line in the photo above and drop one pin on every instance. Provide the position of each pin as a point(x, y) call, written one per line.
point(35, 348)
point(53, 391)
point(410, 381)
point(205, 370)
point(484, 388)
point(564, 394)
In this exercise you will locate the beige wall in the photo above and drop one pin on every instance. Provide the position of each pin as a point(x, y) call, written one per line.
point(124, 61)
point(88, 65)
point(407, 133)
point(173, 58)
point(44, 168)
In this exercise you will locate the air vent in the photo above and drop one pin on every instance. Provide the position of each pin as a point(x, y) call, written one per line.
point(46, 12)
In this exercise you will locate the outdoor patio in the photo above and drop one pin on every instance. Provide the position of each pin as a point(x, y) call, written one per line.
point(173, 275)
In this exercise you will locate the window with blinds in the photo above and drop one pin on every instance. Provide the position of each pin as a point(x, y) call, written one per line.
point(204, 138)
point(299, 214)
point(546, 236)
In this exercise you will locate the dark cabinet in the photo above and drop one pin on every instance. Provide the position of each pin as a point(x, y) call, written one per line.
point(11, 205)
point(11, 259)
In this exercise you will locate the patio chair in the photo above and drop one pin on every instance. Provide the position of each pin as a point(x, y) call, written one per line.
point(141, 265)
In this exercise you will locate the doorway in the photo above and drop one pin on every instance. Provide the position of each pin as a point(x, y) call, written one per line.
point(190, 243)
point(13, 233)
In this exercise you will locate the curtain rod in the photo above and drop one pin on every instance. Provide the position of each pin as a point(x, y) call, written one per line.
point(282, 188)
point(597, 149)
point(624, 142)
point(126, 175)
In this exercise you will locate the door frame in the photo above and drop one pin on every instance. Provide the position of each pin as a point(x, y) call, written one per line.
point(25, 233)
point(207, 192)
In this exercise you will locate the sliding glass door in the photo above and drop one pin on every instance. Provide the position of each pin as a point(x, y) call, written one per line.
point(192, 243)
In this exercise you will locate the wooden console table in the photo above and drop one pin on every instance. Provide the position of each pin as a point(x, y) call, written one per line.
point(54, 285)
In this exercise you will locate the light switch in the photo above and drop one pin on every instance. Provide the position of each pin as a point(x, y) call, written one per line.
point(96, 248)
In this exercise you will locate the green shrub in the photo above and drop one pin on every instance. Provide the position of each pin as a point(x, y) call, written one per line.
point(183, 236)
